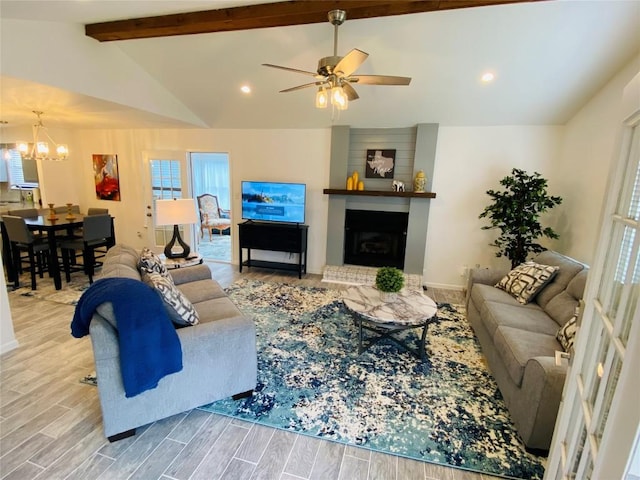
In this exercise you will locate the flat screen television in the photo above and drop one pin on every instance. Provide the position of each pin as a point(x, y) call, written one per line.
point(273, 201)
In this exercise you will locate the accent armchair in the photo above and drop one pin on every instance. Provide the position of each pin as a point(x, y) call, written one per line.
point(212, 217)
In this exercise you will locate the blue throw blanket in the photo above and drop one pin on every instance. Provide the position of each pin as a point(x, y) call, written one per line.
point(149, 345)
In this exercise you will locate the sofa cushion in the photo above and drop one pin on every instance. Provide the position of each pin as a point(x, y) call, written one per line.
point(181, 311)
point(216, 309)
point(561, 308)
point(150, 263)
point(202, 290)
point(569, 268)
point(516, 347)
point(526, 280)
point(121, 261)
point(495, 314)
point(577, 284)
point(488, 293)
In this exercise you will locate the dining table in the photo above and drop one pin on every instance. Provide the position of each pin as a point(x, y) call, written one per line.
point(44, 222)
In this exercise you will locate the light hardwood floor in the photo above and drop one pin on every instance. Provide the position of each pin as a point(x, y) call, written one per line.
point(50, 424)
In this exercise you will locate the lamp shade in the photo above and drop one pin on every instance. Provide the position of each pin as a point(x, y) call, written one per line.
point(178, 211)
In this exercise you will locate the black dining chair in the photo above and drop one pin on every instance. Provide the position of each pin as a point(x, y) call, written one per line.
point(96, 232)
point(97, 211)
point(24, 212)
point(102, 251)
point(23, 240)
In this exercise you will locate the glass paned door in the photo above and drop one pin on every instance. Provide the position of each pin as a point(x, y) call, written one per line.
point(166, 184)
point(210, 177)
point(599, 409)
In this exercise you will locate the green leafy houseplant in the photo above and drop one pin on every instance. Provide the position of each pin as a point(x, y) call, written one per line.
point(389, 279)
point(516, 212)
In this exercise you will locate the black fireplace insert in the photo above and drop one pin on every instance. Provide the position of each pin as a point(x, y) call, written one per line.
point(375, 239)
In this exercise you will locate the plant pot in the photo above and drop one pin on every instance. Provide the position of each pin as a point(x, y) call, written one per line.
point(388, 297)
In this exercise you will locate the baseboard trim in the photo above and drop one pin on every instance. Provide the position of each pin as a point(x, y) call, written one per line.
point(445, 286)
point(7, 347)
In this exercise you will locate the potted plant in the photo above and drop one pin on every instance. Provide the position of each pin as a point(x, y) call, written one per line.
point(389, 280)
point(516, 212)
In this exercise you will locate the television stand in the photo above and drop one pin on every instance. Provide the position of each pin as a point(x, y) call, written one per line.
point(275, 237)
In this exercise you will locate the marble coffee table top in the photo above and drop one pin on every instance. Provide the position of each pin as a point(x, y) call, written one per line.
point(411, 307)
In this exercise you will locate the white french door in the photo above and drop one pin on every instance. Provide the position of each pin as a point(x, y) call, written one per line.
point(600, 413)
point(168, 177)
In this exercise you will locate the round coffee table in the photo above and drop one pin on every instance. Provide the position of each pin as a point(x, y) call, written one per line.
point(411, 309)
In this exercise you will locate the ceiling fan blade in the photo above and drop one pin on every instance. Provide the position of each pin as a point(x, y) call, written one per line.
point(350, 62)
point(379, 80)
point(304, 72)
point(350, 91)
point(300, 87)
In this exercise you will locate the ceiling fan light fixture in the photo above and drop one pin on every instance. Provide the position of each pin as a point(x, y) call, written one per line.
point(322, 98)
point(339, 98)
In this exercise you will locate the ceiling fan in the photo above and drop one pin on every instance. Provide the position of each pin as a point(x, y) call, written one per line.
point(335, 74)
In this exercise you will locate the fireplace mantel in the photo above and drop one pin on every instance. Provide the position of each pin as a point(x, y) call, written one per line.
point(378, 193)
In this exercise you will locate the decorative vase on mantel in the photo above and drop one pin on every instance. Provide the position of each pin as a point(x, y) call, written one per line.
point(420, 182)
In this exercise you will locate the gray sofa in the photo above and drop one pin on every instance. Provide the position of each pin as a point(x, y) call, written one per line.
point(519, 342)
point(218, 354)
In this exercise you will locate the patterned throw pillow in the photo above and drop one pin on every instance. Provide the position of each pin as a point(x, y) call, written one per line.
point(180, 309)
point(150, 263)
point(566, 334)
point(526, 280)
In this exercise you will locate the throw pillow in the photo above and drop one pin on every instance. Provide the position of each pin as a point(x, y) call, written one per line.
point(150, 263)
point(526, 280)
point(566, 334)
point(181, 311)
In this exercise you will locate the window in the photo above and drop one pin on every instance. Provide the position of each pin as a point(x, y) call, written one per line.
point(22, 172)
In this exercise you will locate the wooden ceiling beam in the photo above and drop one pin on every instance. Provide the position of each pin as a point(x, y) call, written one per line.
point(280, 14)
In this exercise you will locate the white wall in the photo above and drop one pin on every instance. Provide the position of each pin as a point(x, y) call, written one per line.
point(574, 158)
point(587, 150)
point(470, 161)
point(278, 155)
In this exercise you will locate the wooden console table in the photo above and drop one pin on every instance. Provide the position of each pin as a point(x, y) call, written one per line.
point(277, 237)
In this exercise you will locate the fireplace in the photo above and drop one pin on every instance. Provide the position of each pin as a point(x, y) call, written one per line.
point(375, 239)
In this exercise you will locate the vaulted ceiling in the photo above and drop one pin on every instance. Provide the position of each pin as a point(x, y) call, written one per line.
point(548, 58)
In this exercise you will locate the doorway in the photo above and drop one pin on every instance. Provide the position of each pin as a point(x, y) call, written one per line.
point(210, 175)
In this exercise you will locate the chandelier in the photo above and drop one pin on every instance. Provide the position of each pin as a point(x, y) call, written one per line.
point(39, 149)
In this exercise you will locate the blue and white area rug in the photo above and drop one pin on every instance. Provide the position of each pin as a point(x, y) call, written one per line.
point(311, 380)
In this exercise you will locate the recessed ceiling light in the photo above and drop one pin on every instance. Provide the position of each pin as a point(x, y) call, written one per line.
point(488, 77)
point(245, 89)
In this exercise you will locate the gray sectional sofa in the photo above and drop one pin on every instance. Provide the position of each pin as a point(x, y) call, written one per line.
point(519, 342)
point(218, 354)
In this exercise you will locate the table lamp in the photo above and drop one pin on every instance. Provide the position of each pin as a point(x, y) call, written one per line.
point(179, 211)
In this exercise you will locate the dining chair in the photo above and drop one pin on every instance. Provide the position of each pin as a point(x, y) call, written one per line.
point(74, 209)
point(97, 211)
point(24, 212)
point(99, 252)
point(212, 217)
point(96, 232)
point(21, 240)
